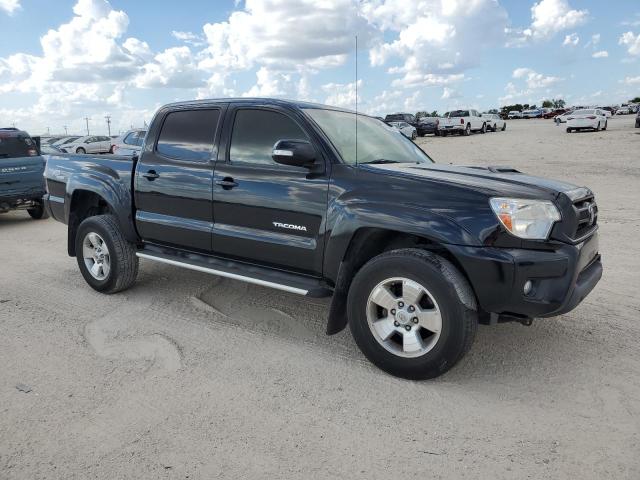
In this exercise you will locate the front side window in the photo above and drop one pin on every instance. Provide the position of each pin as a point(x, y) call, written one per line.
point(376, 142)
point(255, 132)
point(188, 135)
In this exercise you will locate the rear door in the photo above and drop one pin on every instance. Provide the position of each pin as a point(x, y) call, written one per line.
point(268, 213)
point(173, 181)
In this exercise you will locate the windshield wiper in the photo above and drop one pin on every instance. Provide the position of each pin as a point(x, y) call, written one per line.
point(380, 161)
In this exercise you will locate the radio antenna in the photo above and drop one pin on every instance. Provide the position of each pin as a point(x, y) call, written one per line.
point(356, 100)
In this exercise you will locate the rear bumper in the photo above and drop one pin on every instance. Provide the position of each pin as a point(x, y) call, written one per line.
point(449, 128)
point(560, 278)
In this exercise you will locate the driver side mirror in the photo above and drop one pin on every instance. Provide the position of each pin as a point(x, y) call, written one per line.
point(296, 153)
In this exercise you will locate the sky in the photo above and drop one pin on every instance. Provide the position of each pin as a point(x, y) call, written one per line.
point(64, 61)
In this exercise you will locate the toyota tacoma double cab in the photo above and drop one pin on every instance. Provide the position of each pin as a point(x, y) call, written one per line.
point(289, 195)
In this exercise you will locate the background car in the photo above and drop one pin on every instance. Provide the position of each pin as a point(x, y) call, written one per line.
point(588, 119)
point(407, 130)
point(531, 113)
point(513, 114)
point(50, 149)
point(554, 113)
point(410, 119)
point(64, 141)
point(427, 125)
point(21, 168)
point(563, 117)
point(88, 144)
point(130, 143)
point(623, 111)
point(494, 122)
point(638, 119)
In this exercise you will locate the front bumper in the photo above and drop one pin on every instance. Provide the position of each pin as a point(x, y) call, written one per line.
point(561, 278)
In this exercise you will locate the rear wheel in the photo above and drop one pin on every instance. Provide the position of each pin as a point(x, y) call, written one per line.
point(467, 130)
point(504, 126)
point(412, 313)
point(605, 125)
point(106, 259)
point(38, 212)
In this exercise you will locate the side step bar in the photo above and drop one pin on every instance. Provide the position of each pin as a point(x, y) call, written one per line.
point(288, 282)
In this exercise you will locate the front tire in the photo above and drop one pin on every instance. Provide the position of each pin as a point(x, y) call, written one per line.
point(504, 127)
point(605, 125)
point(569, 130)
point(106, 259)
point(412, 313)
point(81, 151)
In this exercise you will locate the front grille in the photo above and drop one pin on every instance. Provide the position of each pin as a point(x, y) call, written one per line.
point(587, 216)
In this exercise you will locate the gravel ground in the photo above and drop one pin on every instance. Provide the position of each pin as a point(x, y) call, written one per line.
point(192, 376)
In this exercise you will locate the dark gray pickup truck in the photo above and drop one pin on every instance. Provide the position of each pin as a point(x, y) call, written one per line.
point(285, 195)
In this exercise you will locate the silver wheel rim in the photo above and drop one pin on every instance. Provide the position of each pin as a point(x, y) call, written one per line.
point(404, 317)
point(96, 256)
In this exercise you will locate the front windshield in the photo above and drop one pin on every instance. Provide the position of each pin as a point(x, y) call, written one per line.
point(377, 142)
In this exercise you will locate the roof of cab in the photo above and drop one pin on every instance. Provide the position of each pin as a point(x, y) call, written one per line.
point(258, 101)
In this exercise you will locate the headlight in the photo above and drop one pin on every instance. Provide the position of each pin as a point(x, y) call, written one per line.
point(530, 219)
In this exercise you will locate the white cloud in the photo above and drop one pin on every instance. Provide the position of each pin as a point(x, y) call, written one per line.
point(535, 80)
point(631, 41)
point(10, 6)
point(285, 34)
point(189, 38)
point(342, 94)
point(571, 40)
point(450, 94)
point(553, 16)
point(548, 17)
point(600, 54)
point(435, 41)
point(175, 67)
point(631, 80)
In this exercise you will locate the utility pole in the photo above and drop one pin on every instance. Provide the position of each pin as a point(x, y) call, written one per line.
point(86, 119)
point(48, 131)
point(66, 132)
point(108, 119)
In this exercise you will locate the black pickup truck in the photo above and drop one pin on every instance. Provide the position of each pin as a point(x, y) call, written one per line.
point(284, 194)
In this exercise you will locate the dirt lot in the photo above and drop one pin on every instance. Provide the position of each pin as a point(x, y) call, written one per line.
point(192, 376)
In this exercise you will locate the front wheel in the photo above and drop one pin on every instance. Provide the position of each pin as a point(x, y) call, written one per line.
point(413, 136)
point(81, 151)
point(467, 130)
point(605, 125)
point(106, 259)
point(569, 130)
point(412, 313)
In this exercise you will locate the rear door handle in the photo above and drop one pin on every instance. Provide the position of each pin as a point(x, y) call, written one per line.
point(227, 183)
point(150, 175)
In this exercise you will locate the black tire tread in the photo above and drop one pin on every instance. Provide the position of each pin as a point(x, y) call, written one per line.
point(127, 262)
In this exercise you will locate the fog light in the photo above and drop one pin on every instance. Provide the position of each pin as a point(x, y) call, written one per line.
point(528, 286)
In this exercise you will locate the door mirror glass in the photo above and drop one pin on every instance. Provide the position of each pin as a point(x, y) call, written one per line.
point(296, 153)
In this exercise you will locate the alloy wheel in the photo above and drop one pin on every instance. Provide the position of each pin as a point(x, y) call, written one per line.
point(404, 317)
point(96, 256)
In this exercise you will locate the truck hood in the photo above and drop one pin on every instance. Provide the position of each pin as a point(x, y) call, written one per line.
point(503, 181)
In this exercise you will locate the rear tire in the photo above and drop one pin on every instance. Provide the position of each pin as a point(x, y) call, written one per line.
point(504, 127)
point(106, 259)
point(441, 299)
point(467, 130)
point(38, 212)
point(605, 125)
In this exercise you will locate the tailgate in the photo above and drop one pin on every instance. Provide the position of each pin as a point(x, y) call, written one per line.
point(21, 176)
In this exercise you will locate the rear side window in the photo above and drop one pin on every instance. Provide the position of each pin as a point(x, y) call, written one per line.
point(188, 135)
point(131, 138)
point(14, 146)
point(255, 132)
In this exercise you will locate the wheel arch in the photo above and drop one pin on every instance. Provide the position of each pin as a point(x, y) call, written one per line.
point(88, 197)
point(365, 244)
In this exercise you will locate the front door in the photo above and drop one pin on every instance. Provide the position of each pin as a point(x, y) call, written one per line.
point(265, 212)
point(173, 184)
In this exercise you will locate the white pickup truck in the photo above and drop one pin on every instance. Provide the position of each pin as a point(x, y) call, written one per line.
point(462, 122)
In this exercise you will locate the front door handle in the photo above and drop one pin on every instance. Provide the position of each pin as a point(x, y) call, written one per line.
point(227, 183)
point(151, 175)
